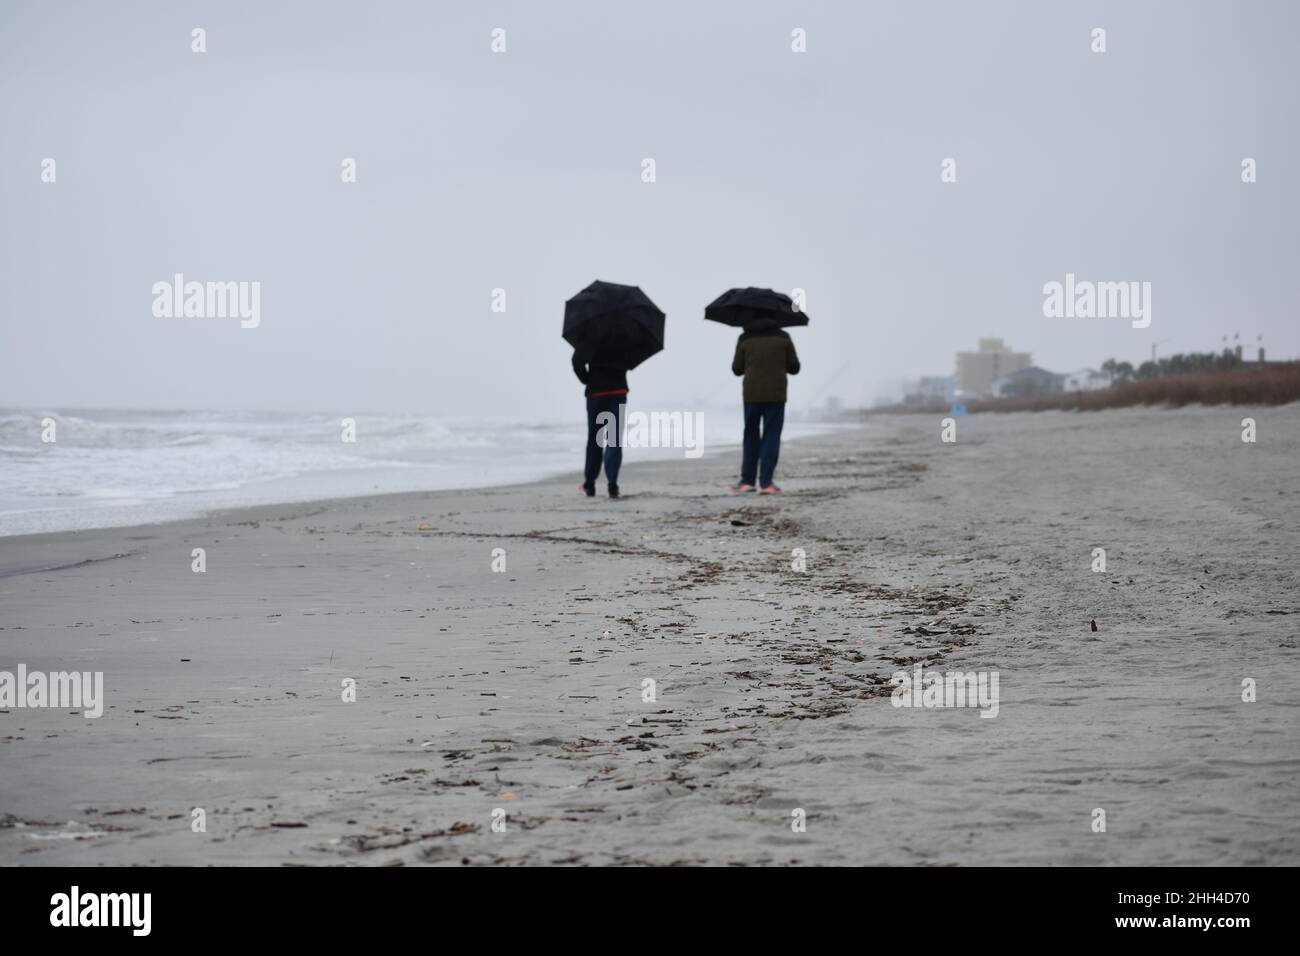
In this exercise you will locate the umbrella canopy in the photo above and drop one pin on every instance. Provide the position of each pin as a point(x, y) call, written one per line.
point(740, 307)
point(611, 324)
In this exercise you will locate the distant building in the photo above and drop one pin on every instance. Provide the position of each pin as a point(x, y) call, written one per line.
point(930, 390)
point(976, 371)
point(1086, 380)
point(1031, 380)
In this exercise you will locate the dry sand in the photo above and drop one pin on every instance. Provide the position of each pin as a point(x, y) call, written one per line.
point(479, 690)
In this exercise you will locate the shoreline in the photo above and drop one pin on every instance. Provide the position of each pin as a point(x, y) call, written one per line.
point(478, 691)
point(85, 512)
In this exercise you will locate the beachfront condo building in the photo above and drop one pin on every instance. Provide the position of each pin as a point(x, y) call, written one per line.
point(976, 371)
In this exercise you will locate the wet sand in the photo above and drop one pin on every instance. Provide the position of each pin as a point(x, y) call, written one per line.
point(478, 690)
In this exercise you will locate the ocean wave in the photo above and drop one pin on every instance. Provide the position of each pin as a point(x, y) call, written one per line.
point(119, 467)
point(151, 455)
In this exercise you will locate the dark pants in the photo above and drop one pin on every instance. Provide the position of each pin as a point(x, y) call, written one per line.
point(761, 451)
point(612, 452)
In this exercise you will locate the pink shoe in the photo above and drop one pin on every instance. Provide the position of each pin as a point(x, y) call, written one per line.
point(742, 486)
point(770, 490)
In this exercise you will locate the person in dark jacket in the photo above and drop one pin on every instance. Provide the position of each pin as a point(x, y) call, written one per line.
point(606, 394)
point(764, 355)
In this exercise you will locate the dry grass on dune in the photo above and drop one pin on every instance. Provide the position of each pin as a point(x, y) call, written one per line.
point(1275, 384)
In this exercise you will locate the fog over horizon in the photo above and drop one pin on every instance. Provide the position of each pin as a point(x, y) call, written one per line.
point(522, 171)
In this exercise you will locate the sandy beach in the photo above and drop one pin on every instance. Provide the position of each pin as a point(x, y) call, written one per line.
point(522, 690)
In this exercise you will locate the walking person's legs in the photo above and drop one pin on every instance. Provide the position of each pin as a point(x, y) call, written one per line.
point(591, 468)
point(614, 447)
point(770, 445)
point(749, 451)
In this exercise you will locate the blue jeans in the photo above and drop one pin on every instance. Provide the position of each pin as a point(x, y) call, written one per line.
point(612, 453)
point(761, 450)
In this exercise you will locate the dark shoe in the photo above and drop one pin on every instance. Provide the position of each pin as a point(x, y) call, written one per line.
point(588, 489)
point(613, 490)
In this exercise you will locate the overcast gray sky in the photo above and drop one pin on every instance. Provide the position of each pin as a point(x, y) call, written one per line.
point(522, 170)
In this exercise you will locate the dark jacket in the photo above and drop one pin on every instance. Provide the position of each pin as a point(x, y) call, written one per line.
point(598, 378)
point(764, 355)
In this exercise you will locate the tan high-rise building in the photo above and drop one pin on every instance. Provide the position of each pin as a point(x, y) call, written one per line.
point(976, 371)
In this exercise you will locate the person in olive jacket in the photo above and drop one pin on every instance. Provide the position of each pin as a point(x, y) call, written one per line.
point(764, 355)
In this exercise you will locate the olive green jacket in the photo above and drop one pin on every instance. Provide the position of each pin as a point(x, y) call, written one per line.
point(765, 355)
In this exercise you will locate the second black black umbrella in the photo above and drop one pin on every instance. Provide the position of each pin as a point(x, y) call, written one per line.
point(740, 307)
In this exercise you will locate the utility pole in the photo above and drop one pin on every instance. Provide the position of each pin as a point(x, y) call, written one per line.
point(1153, 348)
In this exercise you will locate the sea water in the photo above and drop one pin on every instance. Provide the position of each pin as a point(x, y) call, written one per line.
point(115, 468)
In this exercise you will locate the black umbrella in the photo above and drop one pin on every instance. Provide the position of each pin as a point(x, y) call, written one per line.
point(611, 324)
point(740, 307)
